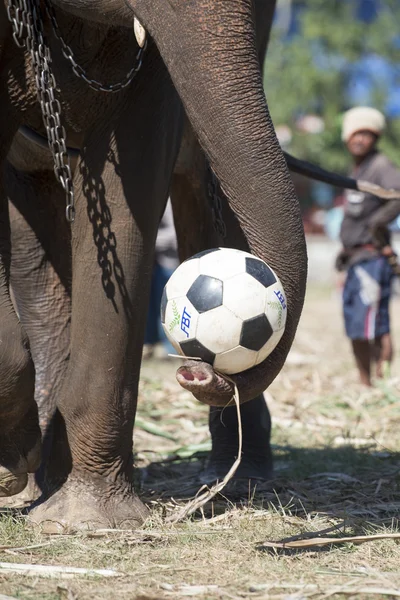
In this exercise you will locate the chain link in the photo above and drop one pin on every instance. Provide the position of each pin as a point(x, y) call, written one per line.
point(15, 16)
point(27, 25)
point(216, 203)
point(80, 71)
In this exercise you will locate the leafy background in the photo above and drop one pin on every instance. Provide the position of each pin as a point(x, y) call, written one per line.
point(325, 57)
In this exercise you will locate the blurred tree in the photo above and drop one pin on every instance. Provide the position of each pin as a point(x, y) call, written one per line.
point(325, 57)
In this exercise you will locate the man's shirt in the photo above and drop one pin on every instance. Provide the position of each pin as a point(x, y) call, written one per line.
point(365, 215)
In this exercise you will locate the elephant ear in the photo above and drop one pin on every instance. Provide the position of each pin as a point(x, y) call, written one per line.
point(140, 32)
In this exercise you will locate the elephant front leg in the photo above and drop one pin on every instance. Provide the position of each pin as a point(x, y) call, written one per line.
point(40, 280)
point(111, 263)
point(123, 194)
point(20, 440)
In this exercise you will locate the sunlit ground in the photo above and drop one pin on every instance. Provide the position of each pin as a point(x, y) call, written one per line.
point(337, 460)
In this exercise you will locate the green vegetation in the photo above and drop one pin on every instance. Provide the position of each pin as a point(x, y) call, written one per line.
point(309, 73)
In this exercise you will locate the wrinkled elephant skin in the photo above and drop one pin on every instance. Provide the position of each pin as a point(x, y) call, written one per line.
point(82, 292)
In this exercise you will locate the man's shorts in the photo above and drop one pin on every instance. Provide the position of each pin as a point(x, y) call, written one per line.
point(366, 297)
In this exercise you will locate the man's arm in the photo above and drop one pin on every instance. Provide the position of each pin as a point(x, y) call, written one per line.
point(390, 178)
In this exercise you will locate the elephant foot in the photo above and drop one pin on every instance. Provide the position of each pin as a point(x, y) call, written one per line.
point(216, 470)
point(25, 498)
point(256, 465)
point(89, 504)
point(250, 478)
point(20, 454)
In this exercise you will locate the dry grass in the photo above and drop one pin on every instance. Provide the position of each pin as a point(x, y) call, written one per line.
point(337, 449)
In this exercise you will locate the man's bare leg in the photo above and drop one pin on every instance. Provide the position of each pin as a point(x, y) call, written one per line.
point(384, 354)
point(362, 354)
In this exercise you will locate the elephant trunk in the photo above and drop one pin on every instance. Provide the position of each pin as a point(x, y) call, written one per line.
point(210, 51)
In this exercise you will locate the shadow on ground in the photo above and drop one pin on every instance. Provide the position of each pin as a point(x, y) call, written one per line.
point(353, 484)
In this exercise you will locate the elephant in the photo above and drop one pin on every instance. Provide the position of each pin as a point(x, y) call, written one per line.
point(72, 335)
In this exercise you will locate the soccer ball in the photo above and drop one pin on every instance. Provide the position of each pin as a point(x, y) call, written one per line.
point(226, 307)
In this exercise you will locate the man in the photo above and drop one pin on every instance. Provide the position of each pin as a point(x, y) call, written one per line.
point(367, 254)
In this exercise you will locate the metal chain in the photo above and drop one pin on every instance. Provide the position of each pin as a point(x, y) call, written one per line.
point(80, 71)
point(216, 203)
point(28, 32)
point(27, 25)
point(16, 14)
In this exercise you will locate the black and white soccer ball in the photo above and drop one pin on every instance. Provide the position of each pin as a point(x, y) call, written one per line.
point(226, 307)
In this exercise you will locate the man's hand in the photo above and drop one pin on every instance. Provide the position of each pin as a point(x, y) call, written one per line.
point(341, 260)
point(387, 251)
point(392, 258)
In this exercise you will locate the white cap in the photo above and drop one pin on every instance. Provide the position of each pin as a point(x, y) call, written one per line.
point(362, 118)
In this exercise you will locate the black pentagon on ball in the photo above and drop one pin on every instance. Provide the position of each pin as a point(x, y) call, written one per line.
point(255, 333)
point(260, 271)
point(205, 293)
point(193, 348)
point(205, 252)
point(164, 301)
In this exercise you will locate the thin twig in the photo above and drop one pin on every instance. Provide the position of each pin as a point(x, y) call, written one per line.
point(23, 548)
point(206, 496)
point(311, 542)
point(325, 593)
point(55, 570)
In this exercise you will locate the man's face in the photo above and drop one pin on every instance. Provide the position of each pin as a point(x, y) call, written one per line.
point(361, 143)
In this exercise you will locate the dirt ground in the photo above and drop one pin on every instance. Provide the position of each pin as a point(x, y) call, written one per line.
point(337, 474)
